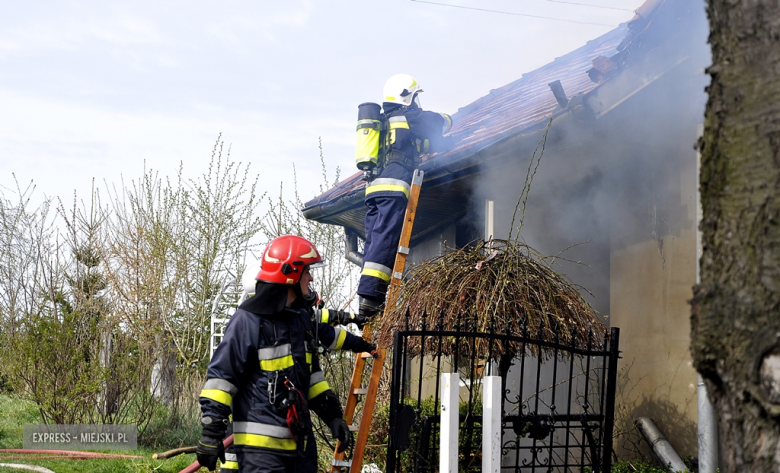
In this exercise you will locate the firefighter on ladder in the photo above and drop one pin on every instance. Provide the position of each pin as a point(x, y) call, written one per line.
point(266, 372)
point(410, 131)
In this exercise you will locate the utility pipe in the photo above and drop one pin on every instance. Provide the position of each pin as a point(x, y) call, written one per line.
point(706, 422)
point(707, 431)
point(353, 255)
point(661, 447)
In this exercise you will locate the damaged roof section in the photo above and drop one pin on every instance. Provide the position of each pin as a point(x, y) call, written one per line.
point(528, 101)
point(517, 109)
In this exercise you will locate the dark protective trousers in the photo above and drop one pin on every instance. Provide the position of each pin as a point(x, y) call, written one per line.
point(265, 462)
point(270, 462)
point(384, 221)
point(231, 465)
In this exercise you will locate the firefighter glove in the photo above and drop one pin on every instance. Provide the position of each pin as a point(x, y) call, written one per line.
point(340, 430)
point(360, 321)
point(345, 318)
point(362, 346)
point(208, 450)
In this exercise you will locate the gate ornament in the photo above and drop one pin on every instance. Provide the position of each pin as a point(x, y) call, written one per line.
point(533, 426)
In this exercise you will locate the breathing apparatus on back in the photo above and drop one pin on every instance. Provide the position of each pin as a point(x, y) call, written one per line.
point(375, 133)
point(371, 128)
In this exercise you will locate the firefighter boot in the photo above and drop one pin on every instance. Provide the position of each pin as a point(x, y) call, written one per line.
point(369, 307)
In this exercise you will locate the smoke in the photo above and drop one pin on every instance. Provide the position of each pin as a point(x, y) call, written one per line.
point(625, 178)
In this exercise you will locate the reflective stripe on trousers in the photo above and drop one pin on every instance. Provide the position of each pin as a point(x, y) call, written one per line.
point(376, 270)
point(230, 465)
point(397, 187)
point(253, 461)
point(384, 221)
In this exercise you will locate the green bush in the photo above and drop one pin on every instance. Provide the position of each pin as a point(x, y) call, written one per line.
point(168, 430)
point(15, 413)
point(637, 466)
point(376, 449)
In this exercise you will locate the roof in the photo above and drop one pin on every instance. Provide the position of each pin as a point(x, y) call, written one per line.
point(518, 108)
point(528, 101)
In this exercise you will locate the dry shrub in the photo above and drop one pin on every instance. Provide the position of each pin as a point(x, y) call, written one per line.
point(499, 287)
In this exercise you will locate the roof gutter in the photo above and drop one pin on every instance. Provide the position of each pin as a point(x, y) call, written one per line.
point(437, 174)
point(353, 255)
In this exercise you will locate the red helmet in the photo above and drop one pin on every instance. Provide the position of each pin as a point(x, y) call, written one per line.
point(285, 258)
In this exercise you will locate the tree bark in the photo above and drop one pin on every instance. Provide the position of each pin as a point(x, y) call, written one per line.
point(735, 318)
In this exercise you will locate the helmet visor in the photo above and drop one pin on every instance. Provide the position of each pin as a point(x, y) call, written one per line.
point(318, 264)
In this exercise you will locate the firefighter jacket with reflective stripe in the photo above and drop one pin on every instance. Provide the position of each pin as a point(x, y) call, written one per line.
point(410, 131)
point(251, 371)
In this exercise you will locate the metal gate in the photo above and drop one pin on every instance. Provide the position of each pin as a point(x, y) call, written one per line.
point(557, 405)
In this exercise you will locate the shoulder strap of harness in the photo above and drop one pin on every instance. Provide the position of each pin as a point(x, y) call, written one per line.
point(383, 146)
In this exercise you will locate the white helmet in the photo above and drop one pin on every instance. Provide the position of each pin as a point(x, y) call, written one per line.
point(249, 277)
point(401, 89)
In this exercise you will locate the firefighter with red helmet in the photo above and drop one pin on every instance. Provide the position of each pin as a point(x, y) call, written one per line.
point(266, 371)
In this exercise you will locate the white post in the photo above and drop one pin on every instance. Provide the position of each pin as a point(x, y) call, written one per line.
point(489, 219)
point(491, 424)
point(450, 420)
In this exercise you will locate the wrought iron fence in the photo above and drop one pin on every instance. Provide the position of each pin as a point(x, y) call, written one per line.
point(557, 405)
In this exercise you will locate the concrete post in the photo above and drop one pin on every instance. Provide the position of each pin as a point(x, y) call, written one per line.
point(450, 421)
point(491, 424)
point(489, 219)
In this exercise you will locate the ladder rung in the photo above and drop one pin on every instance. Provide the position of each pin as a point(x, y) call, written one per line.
point(354, 428)
point(366, 355)
point(341, 462)
point(361, 391)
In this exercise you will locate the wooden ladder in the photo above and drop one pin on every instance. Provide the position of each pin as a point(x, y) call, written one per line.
point(356, 388)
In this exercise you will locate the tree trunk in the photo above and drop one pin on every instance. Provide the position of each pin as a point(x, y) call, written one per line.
point(735, 311)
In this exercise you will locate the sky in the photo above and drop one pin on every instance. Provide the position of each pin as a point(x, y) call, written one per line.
point(103, 90)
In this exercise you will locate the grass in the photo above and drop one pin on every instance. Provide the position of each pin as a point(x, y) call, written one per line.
point(637, 466)
point(15, 412)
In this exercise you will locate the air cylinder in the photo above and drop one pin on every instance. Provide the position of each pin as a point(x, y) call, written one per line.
point(369, 129)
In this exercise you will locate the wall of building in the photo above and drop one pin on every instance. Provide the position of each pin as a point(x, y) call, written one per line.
point(651, 283)
point(432, 246)
point(619, 196)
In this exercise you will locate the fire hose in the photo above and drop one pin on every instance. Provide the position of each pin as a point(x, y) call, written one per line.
point(19, 454)
point(65, 453)
point(39, 469)
point(56, 457)
point(196, 466)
